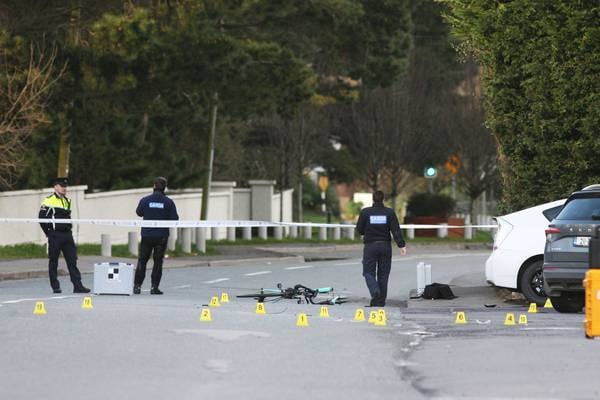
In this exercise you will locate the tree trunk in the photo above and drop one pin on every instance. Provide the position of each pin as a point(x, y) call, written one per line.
point(210, 155)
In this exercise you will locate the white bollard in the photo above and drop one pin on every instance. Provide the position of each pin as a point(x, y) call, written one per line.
point(350, 232)
point(308, 232)
point(337, 233)
point(132, 243)
point(231, 233)
point(201, 239)
point(214, 233)
point(468, 233)
point(172, 242)
point(105, 247)
point(427, 274)
point(410, 233)
point(322, 233)
point(442, 231)
point(278, 232)
point(186, 240)
point(262, 232)
point(179, 235)
point(420, 278)
point(247, 233)
point(293, 232)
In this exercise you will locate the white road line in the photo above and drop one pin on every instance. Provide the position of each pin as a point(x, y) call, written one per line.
point(350, 263)
point(301, 267)
point(258, 273)
point(217, 280)
point(37, 299)
point(181, 287)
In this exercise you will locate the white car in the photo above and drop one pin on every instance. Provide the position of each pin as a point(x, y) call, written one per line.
point(518, 252)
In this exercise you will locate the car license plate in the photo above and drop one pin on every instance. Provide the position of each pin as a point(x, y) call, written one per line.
point(582, 241)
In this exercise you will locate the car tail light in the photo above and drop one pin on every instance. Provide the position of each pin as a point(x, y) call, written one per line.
point(551, 231)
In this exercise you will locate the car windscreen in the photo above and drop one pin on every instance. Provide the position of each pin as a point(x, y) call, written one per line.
point(583, 208)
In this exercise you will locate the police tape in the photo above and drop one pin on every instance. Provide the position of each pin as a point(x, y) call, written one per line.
point(136, 223)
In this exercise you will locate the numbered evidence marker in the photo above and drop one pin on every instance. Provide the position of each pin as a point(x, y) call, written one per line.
point(510, 319)
point(224, 297)
point(39, 308)
point(86, 304)
point(548, 303)
point(324, 312)
point(260, 308)
point(532, 308)
point(205, 315)
point(214, 302)
point(523, 319)
point(302, 320)
point(381, 319)
point(359, 315)
point(461, 318)
point(372, 317)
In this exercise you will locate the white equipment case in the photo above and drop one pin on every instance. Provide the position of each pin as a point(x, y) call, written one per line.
point(113, 278)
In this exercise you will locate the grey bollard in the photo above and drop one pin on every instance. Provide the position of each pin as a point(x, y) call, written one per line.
point(337, 233)
point(201, 239)
point(214, 233)
point(132, 243)
point(247, 233)
point(231, 233)
point(410, 233)
point(278, 232)
point(172, 242)
point(293, 231)
point(308, 232)
point(468, 233)
point(262, 232)
point(179, 235)
point(322, 233)
point(442, 231)
point(186, 240)
point(105, 248)
point(350, 233)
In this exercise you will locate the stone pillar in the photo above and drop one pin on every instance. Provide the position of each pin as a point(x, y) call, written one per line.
point(262, 232)
point(337, 233)
point(105, 247)
point(214, 233)
point(308, 232)
point(322, 233)
point(201, 239)
point(132, 243)
point(278, 232)
point(410, 233)
point(247, 233)
point(294, 231)
point(442, 231)
point(231, 233)
point(172, 243)
point(186, 240)
point(350, 232)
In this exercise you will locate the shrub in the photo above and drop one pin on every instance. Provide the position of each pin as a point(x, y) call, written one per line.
point(430, 204)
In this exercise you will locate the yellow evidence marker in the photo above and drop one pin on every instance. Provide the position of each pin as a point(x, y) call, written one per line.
point(461, 318)
point(324, 312)
point(510, 319)
point(86, 304)
point(548, 303)
point(224, 297)
point(532, 308)
point(381, 319)
point(302, 320)
point(205, 315)
point(214, 302)
point(372, 317)
point(523, 319)
point(39, 308)
point(260, 308)
point(359, 315)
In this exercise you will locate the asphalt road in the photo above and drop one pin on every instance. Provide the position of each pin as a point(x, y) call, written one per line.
point(155, 347)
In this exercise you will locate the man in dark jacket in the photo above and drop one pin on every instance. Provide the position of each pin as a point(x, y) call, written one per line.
point(375, 225)
point(157, 206)
point(60, 238)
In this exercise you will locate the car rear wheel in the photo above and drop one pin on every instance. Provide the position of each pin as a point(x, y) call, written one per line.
point(532, 283)
point(568, 302)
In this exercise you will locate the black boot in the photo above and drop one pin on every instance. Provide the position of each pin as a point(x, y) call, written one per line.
point(155, 290)
point(80, 289)
point(57, 290)
point(137, 289)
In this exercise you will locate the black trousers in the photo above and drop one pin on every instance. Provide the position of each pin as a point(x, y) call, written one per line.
point(377, 264)
point(57, 242)
point(156, 247)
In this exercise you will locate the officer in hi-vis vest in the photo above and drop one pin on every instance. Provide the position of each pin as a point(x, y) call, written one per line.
point(375, 225)
point(58, 206)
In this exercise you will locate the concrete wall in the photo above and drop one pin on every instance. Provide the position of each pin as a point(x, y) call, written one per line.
point(226, 203)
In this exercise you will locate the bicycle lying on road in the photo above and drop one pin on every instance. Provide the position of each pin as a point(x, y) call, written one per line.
point(297, 293)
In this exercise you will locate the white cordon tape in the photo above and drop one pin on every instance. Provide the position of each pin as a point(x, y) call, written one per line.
point(210, 224)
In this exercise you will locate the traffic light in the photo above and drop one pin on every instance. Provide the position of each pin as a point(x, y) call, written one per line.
point(430, 172)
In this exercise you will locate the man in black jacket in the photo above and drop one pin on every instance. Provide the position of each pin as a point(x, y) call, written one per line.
point(375, 225)
point(157, 206)
point(60, 238)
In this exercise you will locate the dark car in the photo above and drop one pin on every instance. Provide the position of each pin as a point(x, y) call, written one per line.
point(566, 251)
